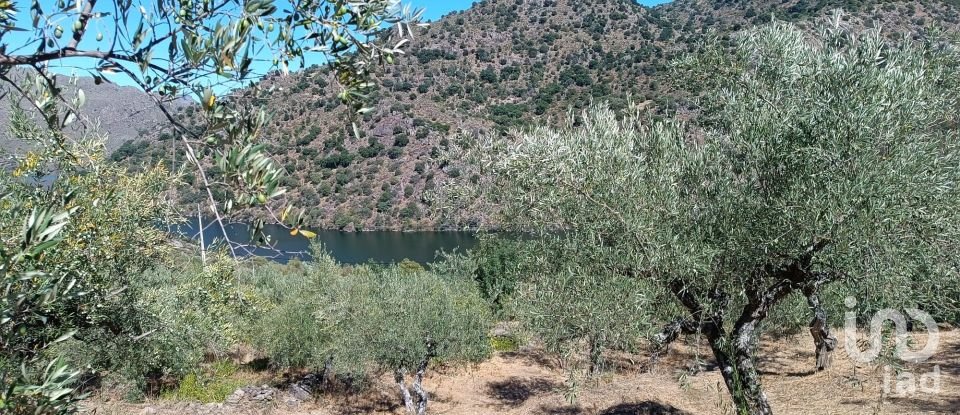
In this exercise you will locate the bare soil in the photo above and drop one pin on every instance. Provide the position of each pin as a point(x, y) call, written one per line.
point(532, 382)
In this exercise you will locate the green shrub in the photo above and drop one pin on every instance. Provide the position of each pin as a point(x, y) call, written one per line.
point(371, 151)
point(497, 262)
point(504, 343)
point(206, 386)
point(291, 333)
point(188, 311)
point(341, 159)
point(395, 152)
point(68, 254)
point(400, 321)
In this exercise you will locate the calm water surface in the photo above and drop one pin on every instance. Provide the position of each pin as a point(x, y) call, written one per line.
point(345, 247)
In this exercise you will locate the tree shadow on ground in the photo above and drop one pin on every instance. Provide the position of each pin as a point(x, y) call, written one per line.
point(938, 396)
point(535, 357)
point(789, 374)
point(643, 408)
point(928, 404)
point(368, 405)
point(354, 401)
point(561, 410)
point(515, 391)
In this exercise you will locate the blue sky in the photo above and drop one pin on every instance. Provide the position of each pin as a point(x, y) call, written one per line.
point(434, 9)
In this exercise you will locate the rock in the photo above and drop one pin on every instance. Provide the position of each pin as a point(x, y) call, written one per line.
point(264, 393)
point(504, 329)
point(235, 397)
point(300, 392)
point(148, 411)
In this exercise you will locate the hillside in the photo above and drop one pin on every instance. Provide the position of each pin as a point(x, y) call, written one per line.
point(125, 113)
point(501, 64)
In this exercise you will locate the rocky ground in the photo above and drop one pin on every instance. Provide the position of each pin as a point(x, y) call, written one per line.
point(531, 382)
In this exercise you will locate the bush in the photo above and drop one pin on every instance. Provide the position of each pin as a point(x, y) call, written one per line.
point(489, 75)
point(186, 311)
point(207, 386)
point(395, 152)
point(341, 159)
point(410, 211)
point(370, 151)
point(362, 321)
point(305, 140)
point(400, 321)
point(67, 256)
point(291, 332)
point(497, 268)
point(571, 307)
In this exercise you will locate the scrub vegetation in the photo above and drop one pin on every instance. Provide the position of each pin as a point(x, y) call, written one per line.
point(807, 170)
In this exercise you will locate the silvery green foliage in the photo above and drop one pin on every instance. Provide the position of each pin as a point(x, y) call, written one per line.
point(401, 322)
point(814, 159)
point(291, 332)
point(72, 230)
point(30, 294)
point(850, 140)
point(569, 307)
point(191, 47)
point(845, 139)
point(173, 46)
point(390, 319)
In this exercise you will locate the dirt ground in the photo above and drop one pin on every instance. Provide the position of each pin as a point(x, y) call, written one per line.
point(530, 382)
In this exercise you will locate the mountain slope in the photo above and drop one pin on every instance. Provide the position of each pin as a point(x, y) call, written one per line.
point(501, 64)
point(124, 113)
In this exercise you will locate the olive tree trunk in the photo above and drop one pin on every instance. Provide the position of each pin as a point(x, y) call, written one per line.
point(418, 387)
point(733, 351)
point(399, 376)
point(735, 357)
point(415, 403)
point(823, 340)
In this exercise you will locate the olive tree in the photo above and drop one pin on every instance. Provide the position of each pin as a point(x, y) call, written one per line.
point(191, 47)
point(67, 250)
point(402, 322)
point(29, 293)
point(567, 304)
point(87, 225)
point(828, 159)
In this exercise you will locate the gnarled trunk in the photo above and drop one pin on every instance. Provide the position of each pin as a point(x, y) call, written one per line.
point(735, 356)
point(418, 387)
point(399, 376)
point(735, 352)
point(823, 340)
point(595, 356)
point(418, 404)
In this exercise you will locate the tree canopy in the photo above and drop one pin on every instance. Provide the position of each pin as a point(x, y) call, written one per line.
point(77, 228)
point(813, 160)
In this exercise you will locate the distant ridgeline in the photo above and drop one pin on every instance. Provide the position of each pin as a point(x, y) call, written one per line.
point(499, 65)
point(123, 113)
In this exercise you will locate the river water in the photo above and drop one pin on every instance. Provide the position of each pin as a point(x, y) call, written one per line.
point(346, 247)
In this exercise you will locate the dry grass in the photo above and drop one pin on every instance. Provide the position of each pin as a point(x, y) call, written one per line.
point(527, 382)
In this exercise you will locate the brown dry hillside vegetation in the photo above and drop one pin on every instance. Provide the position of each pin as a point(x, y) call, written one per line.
point(121, 112)
point(501, 64)
point(530, 382)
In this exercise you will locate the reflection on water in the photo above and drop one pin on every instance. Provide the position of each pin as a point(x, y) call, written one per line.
point(345, 247)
